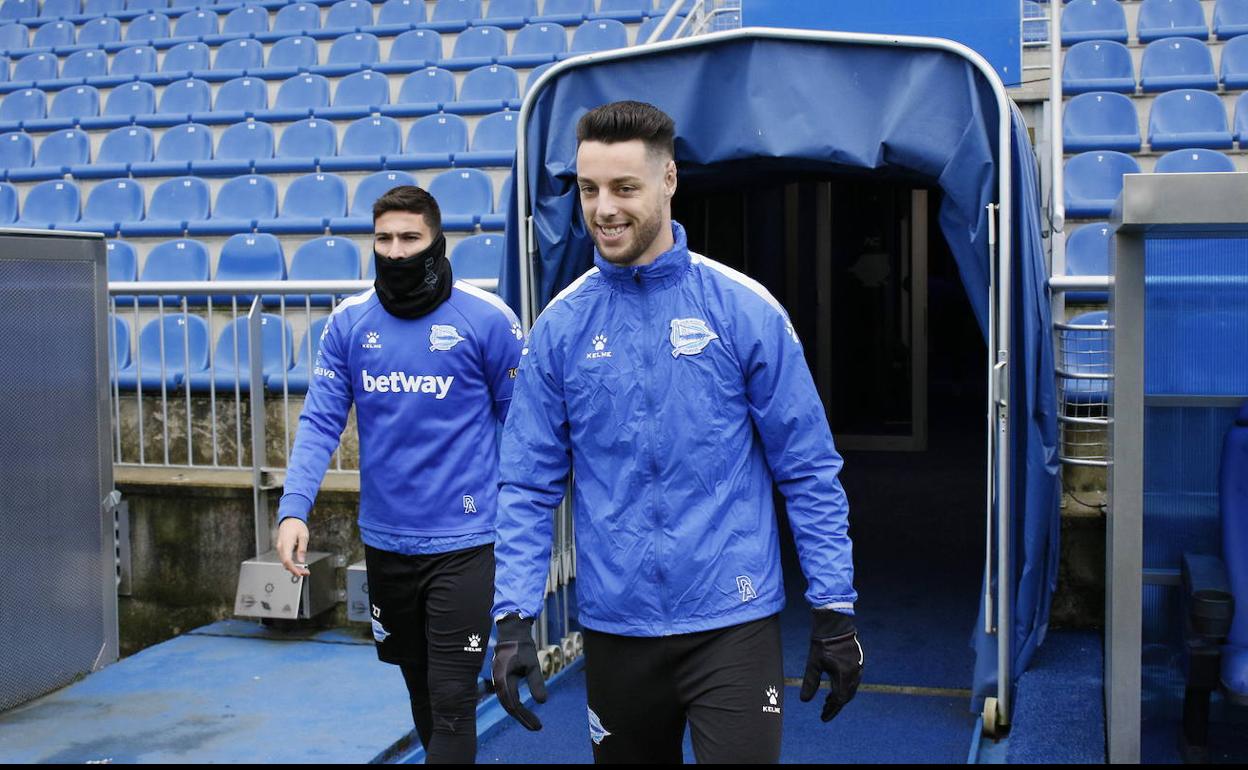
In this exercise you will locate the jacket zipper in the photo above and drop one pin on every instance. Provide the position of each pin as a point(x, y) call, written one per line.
point(653, 450)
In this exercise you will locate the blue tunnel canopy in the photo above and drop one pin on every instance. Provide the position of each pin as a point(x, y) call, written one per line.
point(927, 114)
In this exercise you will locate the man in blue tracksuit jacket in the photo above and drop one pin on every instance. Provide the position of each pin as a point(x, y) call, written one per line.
point(429, 364)
point(677, 391)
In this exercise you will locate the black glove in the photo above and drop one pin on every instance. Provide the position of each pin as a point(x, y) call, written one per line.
point(834, 648)
point(515, 657)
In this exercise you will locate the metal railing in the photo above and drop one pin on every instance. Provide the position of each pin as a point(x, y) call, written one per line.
point(1084, 372)
point(700, 17)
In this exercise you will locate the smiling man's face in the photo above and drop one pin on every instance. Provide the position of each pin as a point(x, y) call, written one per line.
point(626, 197)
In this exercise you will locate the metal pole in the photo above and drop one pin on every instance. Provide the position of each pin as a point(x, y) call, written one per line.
point(255, 331)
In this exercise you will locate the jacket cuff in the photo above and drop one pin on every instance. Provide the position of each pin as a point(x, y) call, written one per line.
point(293, 505)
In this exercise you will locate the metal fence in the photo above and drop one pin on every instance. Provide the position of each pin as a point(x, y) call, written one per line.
point(1083, 348)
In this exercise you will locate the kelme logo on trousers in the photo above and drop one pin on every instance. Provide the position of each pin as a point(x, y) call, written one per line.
point(597, 732)
point(402, 382)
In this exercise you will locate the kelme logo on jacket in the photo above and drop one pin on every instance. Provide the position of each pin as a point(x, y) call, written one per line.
point(443, 337)
point(690, 336)
point(402, 382)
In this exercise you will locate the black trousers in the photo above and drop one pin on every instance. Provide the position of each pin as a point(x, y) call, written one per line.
point(431, 617)
point(727, 684)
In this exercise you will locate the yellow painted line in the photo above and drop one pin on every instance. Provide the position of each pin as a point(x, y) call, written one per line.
point(895, 689)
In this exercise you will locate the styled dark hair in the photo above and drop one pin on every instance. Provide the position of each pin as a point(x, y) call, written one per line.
point(628, 120)
point(413, 200)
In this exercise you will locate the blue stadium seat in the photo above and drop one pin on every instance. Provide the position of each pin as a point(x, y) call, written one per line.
point(19, 9)
point(299, 17)
point(118, 340)
point(112, 202)
point(370, 188)
point(173, 204)
point(1098, 65)
point(250, 257)
point(146, 5)
point(1093, 20)
point(1230, 19)
point(292, 54)
point(366, 144)
point(1094, 180)
point(535, 75)
point(182, 259)
point(480, 45)
point(487, 89)
point(629, 11)
point(299, 96)
point(14, 37)
point(1193, 161)
point(8, 203)
point(498, 220)
point(310, 202)
point(511, 14)
point(1177, 62)
point(396, 15)
point(1188, 118)
point(431, 141)
point(423, 92)
point(536, 44)
point(153, 26)
point(1234, 67)
point(493, 142)
point(121, 148)
point(1100, 120)
point(131, 101)
point(182, 97)
point(60, 150)
point(350, 53)
point(54, 34)
point(359, 95)
point(135, 60)
point(478, 256)
point(239, 98)
point(178, 148)
point(1171, 18)
point(4, 68)
point(99, 31)
point(1241, 120)
point(246, 19)
point(240, 202)
point(328, 258)
point(301, 145)
point(196, 24)
point(97, 7)
point(649, 25)
point(464, 195)
point(35, 66)
point(75, 103)
point(17, 151)
point(298, 378)
point(59, 9)
point(85, 64)
point(454, 15)
point(414, 46)
point(238, 56)
point(166, 347)
point(231, 360)
point(566, 11)
point(186, 58)
point(601, 35)
point(238, 147)
point(52, 203)
point(1085, 351)
point(27, 104)
point(123, 261)
point(349, 14)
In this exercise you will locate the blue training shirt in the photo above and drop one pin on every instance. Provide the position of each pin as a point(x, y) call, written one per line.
point(429, 394)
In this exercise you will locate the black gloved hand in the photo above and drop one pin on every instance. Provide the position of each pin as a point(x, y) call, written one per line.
point(515, 657)
point(834, 648)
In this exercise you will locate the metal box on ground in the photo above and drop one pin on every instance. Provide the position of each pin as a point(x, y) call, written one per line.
point(267, 590)
point(357, 594)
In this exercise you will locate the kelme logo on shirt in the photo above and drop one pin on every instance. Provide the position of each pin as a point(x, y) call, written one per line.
point(402, 382)
point(690, 336)
point(372, 340)
point(443, 337)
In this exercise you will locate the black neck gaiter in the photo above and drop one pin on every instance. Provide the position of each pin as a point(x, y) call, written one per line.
point(413, 286)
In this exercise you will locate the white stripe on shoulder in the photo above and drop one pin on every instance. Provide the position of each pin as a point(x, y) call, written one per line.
point(740, 278)
point(572, 287)
point(353, 300)
point(489, 297)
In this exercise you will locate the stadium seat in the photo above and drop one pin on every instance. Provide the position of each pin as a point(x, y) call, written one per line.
point(135, 60)
point(179, 147)
point(349, 14)
point(1087, 253)
point(601, 35)
point(1230, 19)
point(75, 103)
point(1086, 351)
point(240, 202)
point(239, 99)
point(358, 95)
point(121, 148)
point(1188, 118)
point(96, 7)
point(185, 58)
point(413, 47)
point(8, 203)
point(196, 24)
point(112, 202)
point(1093, 181)
point(17, 151)
point(487, 89)
point(1177, 62)
point(19, 9)
point(431, 141)
point(299, 96)
point(510, 14)
point(1234, 67)
point(292, 54)
point(49, 204)
point(173, 204)
point(153, 26)
point(182, 259)
point(1100, 121)
point(183, 97)
point(298, 17)
point(328, 258)
point(118, 340)
point(628, 11)
point(370, 188)
point(301, 145)
point(27, 104)
point(536, 44)
point(59, 9)
point(238, 148)
point(1171, 18)
point(35, 66)
point(1193, 161)
point(454, 15)
point(239, 56)
point(423, 92)
point(14, 36)
point(536, 75)
point(649, 25)
point(231, 360)
point(85, 64)
point(478, 256)
point(1241, 120)
point(366, 144)
point(146, 5)
point(566, 12)
point(250, 257)
point(480, 45)
point(310, 202)
point(246, 19)
point(464, 195)
point(57, 153)
point(297, 379)
point(131, 101)
point(350, 53)
point(53, 35)
point(123, 261)
point(99, 31)
point(397, 15)
point(168, 348)
point(493, 142)
point(1084, 20)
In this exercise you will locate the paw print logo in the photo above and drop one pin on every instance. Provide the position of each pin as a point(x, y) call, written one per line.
point(517, 332)
point(373, 337)
point(600, 342)
point(772, 695)
point(474, 640)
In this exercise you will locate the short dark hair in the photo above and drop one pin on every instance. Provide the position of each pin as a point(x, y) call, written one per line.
point(413, 200)
point(628, 120)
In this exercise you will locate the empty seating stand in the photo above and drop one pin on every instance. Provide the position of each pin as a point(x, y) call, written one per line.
point(1100, 121)
point(1084, 20)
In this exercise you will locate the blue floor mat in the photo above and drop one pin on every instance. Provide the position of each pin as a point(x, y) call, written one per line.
point(1059, 710)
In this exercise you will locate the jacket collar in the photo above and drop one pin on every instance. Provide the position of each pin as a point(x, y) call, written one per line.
point(666, 270)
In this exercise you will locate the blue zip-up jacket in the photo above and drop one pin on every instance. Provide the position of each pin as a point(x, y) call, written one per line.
point(429, 395)
point(678, 393)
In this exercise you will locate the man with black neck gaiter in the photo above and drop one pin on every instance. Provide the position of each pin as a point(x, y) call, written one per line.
point(428, 363)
